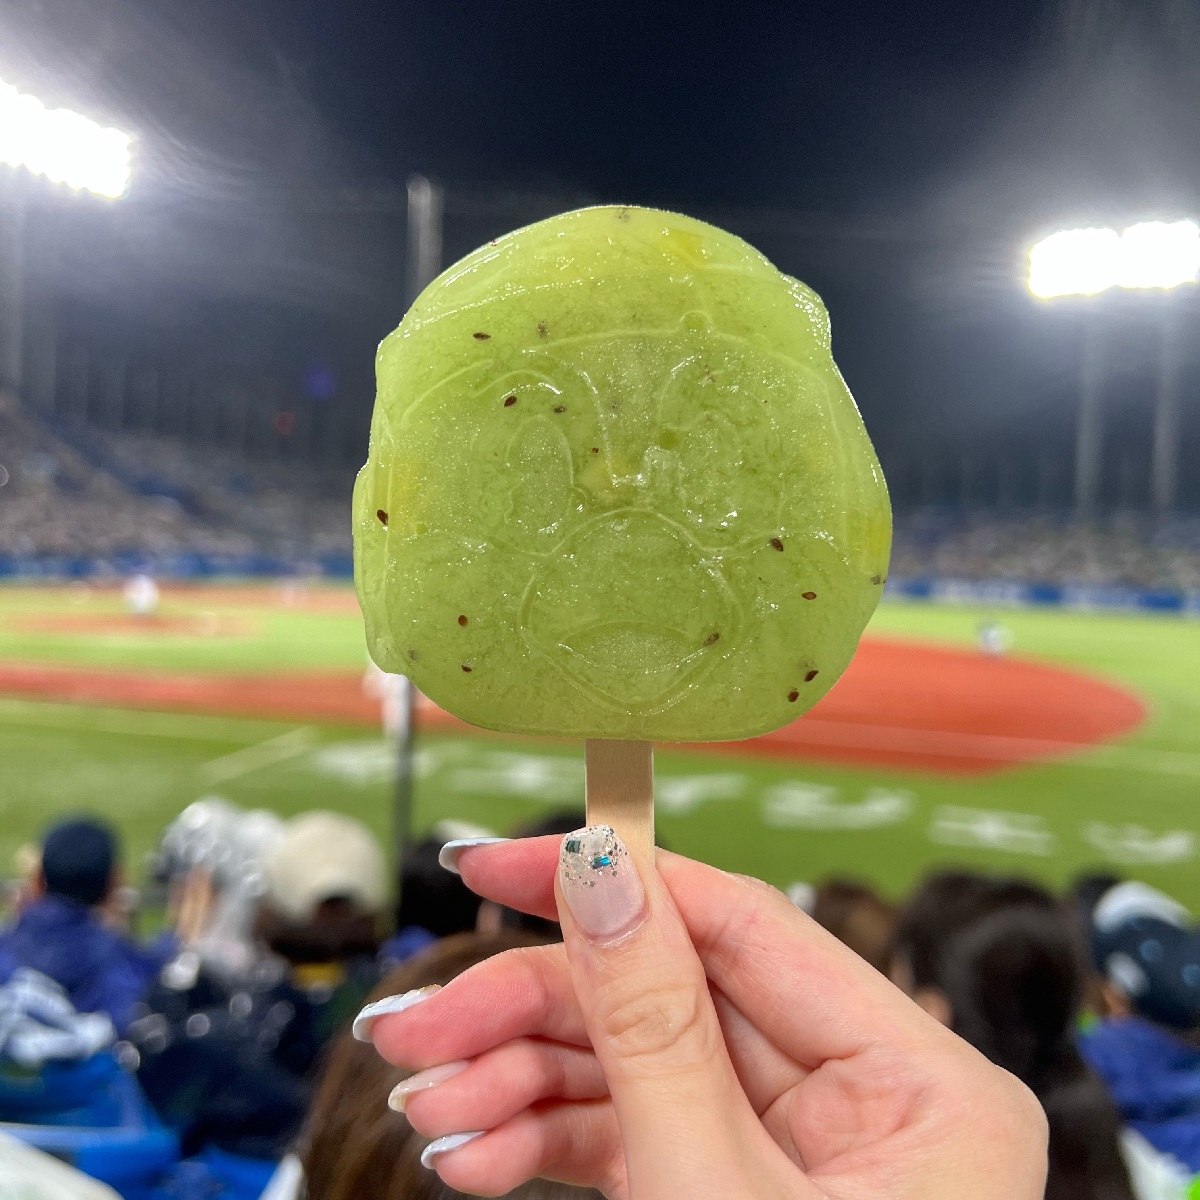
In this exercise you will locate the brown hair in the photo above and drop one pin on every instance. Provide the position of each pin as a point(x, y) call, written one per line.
point(335, 931)
point(356, 1148)
point(1004, 954)
point(857, 916)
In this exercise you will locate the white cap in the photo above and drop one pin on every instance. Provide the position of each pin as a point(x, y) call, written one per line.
point(1127, 901)
point(323, 856)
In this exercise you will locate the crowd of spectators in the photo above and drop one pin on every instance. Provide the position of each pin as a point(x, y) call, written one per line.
point(102, 494)
point(1091, 999)
point(54, 501)
point(235, 1021)
point(287, 507)
point(1121, 550)
point(87, 493)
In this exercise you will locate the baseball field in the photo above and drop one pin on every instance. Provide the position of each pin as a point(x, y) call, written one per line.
point(1078, 748)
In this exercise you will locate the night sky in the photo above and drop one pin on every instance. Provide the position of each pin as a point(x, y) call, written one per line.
point(900, 158)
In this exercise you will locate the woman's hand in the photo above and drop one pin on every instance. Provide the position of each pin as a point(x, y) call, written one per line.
point(696, 1036)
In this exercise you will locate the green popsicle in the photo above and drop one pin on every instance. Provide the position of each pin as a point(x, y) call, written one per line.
point(617, 487)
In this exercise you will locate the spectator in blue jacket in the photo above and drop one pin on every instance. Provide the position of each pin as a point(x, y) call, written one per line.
point(62, 930)
point(1147, 1047)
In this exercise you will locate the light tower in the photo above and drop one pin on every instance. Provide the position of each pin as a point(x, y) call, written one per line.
point(62, 147)
point(1161, 255)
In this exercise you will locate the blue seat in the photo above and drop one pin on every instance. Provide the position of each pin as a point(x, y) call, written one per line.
point(54, 1088)
point(93, 1115)
point(215, 1175)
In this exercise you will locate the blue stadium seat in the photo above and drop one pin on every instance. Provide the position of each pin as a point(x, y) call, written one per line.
point(93, 1115)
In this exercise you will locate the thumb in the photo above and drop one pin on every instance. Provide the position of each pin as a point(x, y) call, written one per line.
point(685, 1121)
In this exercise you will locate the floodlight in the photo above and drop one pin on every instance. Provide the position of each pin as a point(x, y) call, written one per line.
point(1159, 254)
point(62, 145)
point(1084, 262)
point(1074, 262)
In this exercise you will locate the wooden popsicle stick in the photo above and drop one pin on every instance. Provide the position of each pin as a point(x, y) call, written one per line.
point(620, 790)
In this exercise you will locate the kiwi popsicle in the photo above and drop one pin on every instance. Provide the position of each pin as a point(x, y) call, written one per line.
point(617, 488)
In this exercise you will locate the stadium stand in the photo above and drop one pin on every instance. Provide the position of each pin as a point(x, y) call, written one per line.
point(56, 502)
point(285, 508)
point(1118, 550)
point(80, 492)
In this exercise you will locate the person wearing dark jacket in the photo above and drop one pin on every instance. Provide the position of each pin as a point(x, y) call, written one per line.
point(62, 932)
point(1147, 1048)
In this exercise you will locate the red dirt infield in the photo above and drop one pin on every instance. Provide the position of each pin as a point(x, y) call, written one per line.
point(901, 705)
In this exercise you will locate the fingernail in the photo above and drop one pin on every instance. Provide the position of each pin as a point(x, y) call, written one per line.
point(448, 854)
point(422, 1081)
point(600, 883)
point(443, 1145)
point(361, 1029)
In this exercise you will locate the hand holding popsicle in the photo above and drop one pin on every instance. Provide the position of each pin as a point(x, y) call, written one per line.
point(618, 491)
point(698, 1036)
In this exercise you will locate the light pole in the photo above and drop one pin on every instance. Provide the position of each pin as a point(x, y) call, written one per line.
point(63, 147)
point(12, 282)
point(425, 207)
point(1158, 255)
point(1164, 471)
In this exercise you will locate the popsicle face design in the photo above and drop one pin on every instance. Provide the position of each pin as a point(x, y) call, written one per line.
point(617, 488)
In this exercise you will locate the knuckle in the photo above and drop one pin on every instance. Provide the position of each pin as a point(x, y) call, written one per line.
point(551, 1071)
point(761, 886)
point(645, 1021)
point(1012, 1115)
point(1026, 1116)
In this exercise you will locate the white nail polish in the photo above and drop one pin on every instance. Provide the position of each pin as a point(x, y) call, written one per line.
point(361, 1029)
point(422, 1081)
point(448, 854)
point(443, 1145)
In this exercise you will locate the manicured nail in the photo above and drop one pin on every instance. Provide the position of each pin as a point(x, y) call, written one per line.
point(422, 1081)
point(444, 1145)
point(361, 1029)
point(600, 883)
point(448, 854)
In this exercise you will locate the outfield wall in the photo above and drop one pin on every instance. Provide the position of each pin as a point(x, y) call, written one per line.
point(182, 568)
point(1007, 593)
point(996, 593)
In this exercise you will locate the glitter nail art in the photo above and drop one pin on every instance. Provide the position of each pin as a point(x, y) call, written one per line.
point(600, 883)
point(591, 853)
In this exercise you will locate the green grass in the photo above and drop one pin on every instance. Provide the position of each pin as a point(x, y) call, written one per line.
point(256, 637)
point(783, 821)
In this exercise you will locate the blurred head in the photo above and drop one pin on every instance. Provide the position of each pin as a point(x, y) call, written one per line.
point(1081, 898)
point(355, 1147)
point(1087, 890)
point(431, 897)
point(856, 915)
point(326, 888)
point(557, 824)
point(1001, 967)
point(1148, 955)
point(79, 860)
point(920, 935)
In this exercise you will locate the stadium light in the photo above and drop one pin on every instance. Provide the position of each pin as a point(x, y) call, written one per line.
point(61, 145)
point(1085, 262)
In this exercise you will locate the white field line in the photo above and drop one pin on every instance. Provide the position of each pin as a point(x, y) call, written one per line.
point(265, 754)
point(134, 722)
point(1018, 750)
